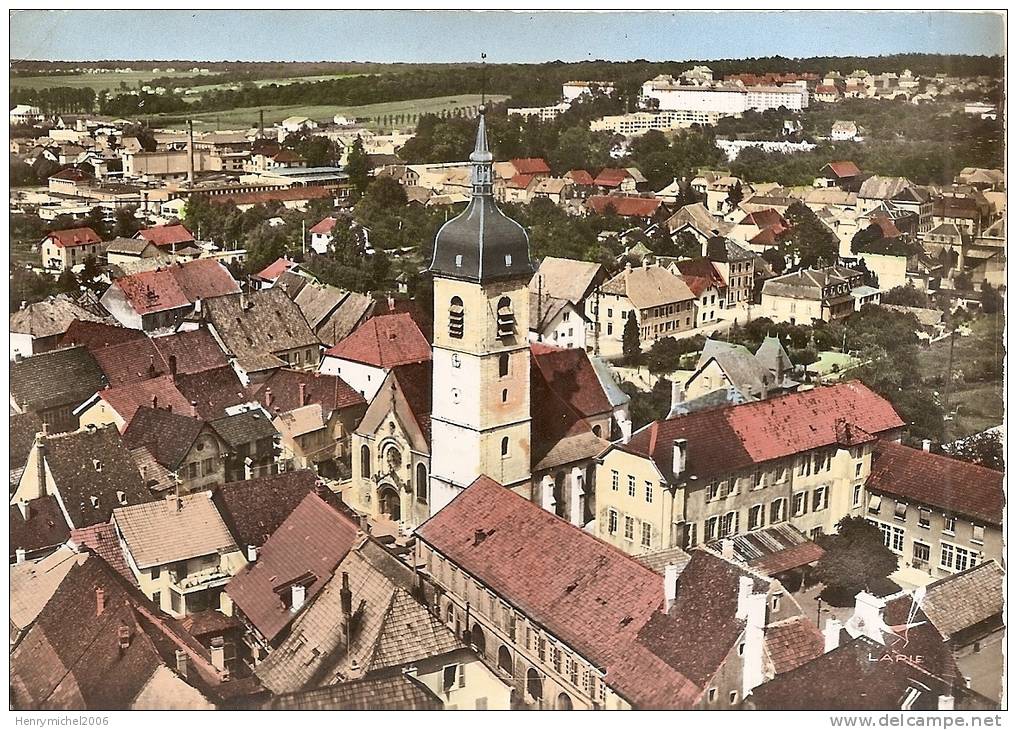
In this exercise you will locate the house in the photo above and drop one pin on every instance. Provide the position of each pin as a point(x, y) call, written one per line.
point(660, 302)
point(83, 660)
point(22, 430)
point(36, 530)
point(321, 234)
point(333, 313)
point(810, 294)
point(167, 238)
point(936, 527)
point(535, 166)
point(395, 692)
point(365, 622)
point(179, 550)
point(288, 571)
point(737, 265)
point(707, 284)
point(569, 280)
point(252, 444)
point(692, 638)
point(86, 474)
point(982, 178)
point(127, 251)
point(69, 248)
point(714, 189)
point(723, 365)
point(556, 321)
point(800, 458)
point(40, 327)
point(163, 298)
point(33, 583)
point(261, 331)
point(190, 449)
point(626, 206)
point(51, 385)
point(368, 354)
point(295, 124)
point(617, 180)
point(117, 405)
point(966, 608)
point(696, 220)
point(254, 509)
point(271, 273)
point(182, 353)
point(842, 131)
point(840, 174)
point(761, 229)
point(24, 114)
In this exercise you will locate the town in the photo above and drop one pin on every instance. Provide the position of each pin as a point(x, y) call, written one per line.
point(680, 390)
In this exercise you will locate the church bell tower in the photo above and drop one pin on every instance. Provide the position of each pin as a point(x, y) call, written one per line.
point(480, 414)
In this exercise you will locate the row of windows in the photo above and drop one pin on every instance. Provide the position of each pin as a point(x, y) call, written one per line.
point(506, 319)
point(648, 487)
point(394, 459)
point(925, 518)
point(645, 528)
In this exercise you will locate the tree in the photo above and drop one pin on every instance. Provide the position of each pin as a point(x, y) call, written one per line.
point(665, 354)
point(984, 449)
point(812, 242)
point(67, 282)
point(126, 223)
point(630, 341)
point(90, 274)
point(358, 168)
point(905, 296)
point(992, 302)
point(855, 560)
point(735, 196)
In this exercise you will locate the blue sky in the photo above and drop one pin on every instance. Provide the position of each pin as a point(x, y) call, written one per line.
point(449, 36)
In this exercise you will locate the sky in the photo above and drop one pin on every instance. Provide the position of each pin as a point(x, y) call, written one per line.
point(506, 37)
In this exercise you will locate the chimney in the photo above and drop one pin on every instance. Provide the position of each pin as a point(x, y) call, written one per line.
point(945, 702)
point(181, 663)
point(173, 500)
point(679, 457)
point(927, 447)
point(346, 599)
point(670, 585)
point(303, 393)
point(252, 553)
point(391, 303)
point(868, 616)
point(677, 393)
point(100, 600)
point(268, 397)
point(194, 409)
point(173, 364)
point(20, 555)
point(626, 429)
point(151, 365)
point(298, 594)
point(365, 525)
point(123, 638)
point(155, 401)
point(831, 635)
point(217, 649)
point(745, 583)
point(248, 468)
point(40, 462)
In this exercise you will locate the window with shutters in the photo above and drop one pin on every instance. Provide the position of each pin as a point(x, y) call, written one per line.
point(710, 529)
point(456, 318)
point(756, 517)
point(647, 532)
point(614, 481)
point(777, 511)
point(799, 504)
point(506, 318)
point(629, 528)
point(612, 522)
point(632, 486)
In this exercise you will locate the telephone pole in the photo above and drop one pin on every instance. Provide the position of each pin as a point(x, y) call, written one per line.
point(949, 373)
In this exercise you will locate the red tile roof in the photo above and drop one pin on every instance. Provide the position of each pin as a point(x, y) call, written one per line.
point(71, 237)
point(282, 391)
point(415, 382)
point(611, 177)
point(724, 440)
point(45, 528)
point(305, 550)
point(325, 225)
point(204, 279)
point(177, 286)
point(703, 268)
point(255, 508)
point(520, 181)
point(789, 558)
point(844, 168)
point(764, 219)
point(887, 228)
point(697, 284)
point(384, 341)
point(102, 540)
point(191, 352)
point(214, 390)
point(94, 335)
point(585, 592)
point(570, 374)
point(531, 166)
point(71, 173)
point(163, 236)
point(792, 642)
point(937, 481)
point(580, 177)
point(625, 206)
point(127, 399)
point(287, 156)
point(277, 267)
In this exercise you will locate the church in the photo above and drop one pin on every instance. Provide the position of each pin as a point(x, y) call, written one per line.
point(532, 417)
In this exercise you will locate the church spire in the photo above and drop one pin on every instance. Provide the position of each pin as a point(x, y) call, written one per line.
point(482, 159)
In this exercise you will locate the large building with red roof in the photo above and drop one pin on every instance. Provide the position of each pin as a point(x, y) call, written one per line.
point(800, 458)
point(69, 248)
point(939, 515)
point(167, 237)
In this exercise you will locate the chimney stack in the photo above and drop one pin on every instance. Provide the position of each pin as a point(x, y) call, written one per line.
point(252, 553)
point(298, 594)
point(945, 703)
point(20, 555)
point(248, 468)
point(181, 656)
point(123, 638)
point(268, 397)
point(100, 600)
point(346, 600)
point(927, 447)
point(155, 401)
point(303, 393)
point(194, 409)
point(677, 393)
point(727, 548)
point(679, 457)
point(626, 429)
point(670, 585)
point(868, 616)
point(173, 364)
point(831, 635)
point(217, 649)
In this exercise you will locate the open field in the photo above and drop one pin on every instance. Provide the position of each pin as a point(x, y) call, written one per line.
point(248, 117)
point(194, 92)
point(98, 81)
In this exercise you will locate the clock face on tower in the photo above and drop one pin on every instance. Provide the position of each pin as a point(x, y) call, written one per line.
point(456, 362)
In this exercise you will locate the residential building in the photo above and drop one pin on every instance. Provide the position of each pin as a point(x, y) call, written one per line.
point(810, 294)
point(842, 131)
point(53, 384)
point(170, 237)
point(128, 251)
point(723, 365)
point(39, 327)
point(737, 265)
point(573, 90)
point(556, 321)
point(252, 444)
point(660, 302)
point(624, 181)
point(573, 281)
point(705, 280)
point(321, 234)
point(179, 550)
point(189, 448)
point(842, 173)
point(369, 353)
point(643, 209)
point(800, 458)
point(663, 120)
point(68, 249)
point(117, 405)
point(23, 114)
point(934, 525)
point(253, 509)
point(396, 692)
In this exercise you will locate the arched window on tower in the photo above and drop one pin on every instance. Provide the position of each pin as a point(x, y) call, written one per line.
point(503, 365)
point(456, 315)
point(422, 483)
point(506, 318)
point(504, 447)
point(365, 461)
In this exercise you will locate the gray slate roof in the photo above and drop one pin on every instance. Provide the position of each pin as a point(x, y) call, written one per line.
point(57, 378)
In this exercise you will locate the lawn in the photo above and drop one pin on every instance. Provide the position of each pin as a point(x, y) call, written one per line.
point(97, 81)
point(197, 91)
point(248, 117)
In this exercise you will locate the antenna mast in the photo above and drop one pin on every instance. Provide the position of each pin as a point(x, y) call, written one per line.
point(483, 79)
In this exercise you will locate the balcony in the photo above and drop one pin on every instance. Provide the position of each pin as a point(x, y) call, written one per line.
point(211, 577)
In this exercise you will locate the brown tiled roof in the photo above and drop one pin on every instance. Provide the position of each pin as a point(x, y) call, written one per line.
point(102, 540)
point(167, 436)
point(177, 285)
point(23, 428)
point(94, 335)
point(937, 481)
point(70, 237)
point(393, 692)
point(161, 532)
point(325, 225)
point(214, 391)
point(724, 440)
point(168, 235)
point(158, 392)
point(569, 373)
point(33, 583)
point(585, 592)
point(796, 556)
point(254, 509)
point(649, 286)
point(566, 278)
point(580, 177)
point(792, 642)
point(195, 351)
point(329, 391)
point(45, 528)
point(964, 600)
point(415, 383)
point(58, 378)
point(844, 168)
point(190, 352)
point(611, 177)
point(305, 550)
point(277, 267)
point(345, 318)
point(531, 166)
point(90, 469)
point(627, 206)
point(384, 341)
point(50, 317)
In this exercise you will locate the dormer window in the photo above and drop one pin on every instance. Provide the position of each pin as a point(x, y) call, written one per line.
point(508, 260)
point(506, 318)
point(456, 314)
point(459, 261)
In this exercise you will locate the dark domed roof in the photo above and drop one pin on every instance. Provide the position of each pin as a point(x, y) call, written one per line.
point(481, 244)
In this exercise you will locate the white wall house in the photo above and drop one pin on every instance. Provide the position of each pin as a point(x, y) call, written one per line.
point(365, 379)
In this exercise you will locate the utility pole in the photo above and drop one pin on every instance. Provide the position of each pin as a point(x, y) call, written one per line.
point(303, 237)
point(949, 373)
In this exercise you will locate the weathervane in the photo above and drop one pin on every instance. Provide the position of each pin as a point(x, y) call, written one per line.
point(483, 78)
